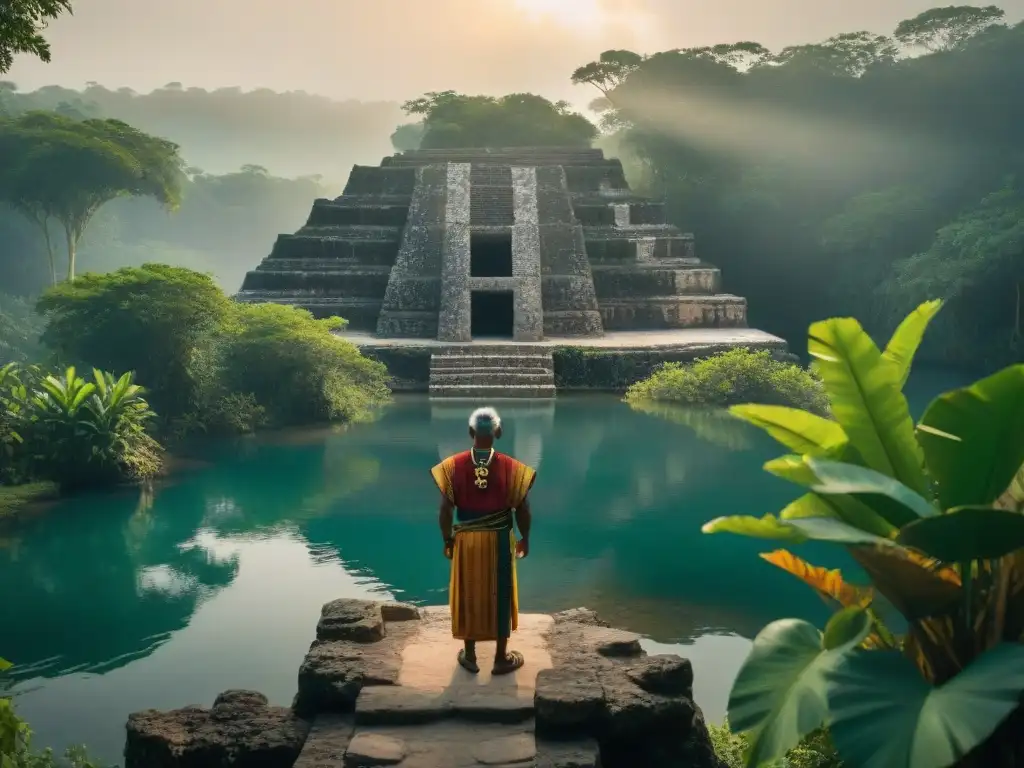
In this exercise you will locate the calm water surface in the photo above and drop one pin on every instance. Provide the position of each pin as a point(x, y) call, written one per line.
point(115, 603)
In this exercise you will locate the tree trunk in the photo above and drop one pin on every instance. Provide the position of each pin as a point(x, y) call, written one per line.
point(72, 246)
point(49, 251)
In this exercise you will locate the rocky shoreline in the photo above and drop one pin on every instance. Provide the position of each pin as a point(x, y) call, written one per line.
point(380, 686)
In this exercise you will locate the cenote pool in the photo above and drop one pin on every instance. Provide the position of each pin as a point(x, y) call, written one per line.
point(115, 603)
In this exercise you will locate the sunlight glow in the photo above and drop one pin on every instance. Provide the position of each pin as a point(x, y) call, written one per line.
point(580, 14)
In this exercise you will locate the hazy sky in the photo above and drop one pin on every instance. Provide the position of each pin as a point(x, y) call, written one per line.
point(396, 49)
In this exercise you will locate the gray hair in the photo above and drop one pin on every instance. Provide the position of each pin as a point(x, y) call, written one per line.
point(484, 421)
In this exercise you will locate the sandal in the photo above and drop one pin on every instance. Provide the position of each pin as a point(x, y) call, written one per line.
point(514, 660)
point(467, 663)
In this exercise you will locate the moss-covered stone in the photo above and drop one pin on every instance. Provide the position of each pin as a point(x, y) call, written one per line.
point(408, 367)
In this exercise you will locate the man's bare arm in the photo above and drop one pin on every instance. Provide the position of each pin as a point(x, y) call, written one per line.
point(445, 518)
point(523, 519)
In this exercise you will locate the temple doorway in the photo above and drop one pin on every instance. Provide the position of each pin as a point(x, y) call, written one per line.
point(490, 254)
point(491, 314)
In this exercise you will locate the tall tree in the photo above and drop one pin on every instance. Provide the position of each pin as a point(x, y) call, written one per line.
point(21, 25)
point(850, 53)
point(948, 28)
point(451, 119)
point(67, 170)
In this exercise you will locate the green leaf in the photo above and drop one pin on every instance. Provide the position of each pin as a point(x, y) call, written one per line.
point(846, 508)
point(867, 401)
point(780, 693)
point(973, 438)
point(5, 665)
point(885, 715)
point(839, 478)
point(906, 339)
point(965, 534)
point(792, 468)
point(800, 431)
point(847, 628)
point(836, 531)
point(767, 527)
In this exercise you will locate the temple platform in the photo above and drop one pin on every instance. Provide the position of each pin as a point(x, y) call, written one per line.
point(501, 369)
point(674, 338)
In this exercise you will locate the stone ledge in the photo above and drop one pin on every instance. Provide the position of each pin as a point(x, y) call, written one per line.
point(381, 686)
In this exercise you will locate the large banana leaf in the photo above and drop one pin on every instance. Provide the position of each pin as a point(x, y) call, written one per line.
point(867, 401)
point(780, 693)
point(966, 534)
point(838, 478)
point(847, 508)
point(973, 438)
point(800, 431)
point(884, 715)
point(906, 339)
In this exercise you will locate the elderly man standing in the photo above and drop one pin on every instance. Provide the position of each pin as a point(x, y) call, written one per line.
point(482, 491)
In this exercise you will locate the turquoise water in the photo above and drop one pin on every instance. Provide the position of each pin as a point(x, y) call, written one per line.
point(115, 603)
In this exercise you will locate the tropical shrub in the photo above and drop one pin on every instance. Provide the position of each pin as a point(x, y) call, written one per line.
point(20, 329)
point(294, 367)
point(16, 742)
point(736, 376)
point(150, 320)
point(815, 751)
point(919, 509)
point(79, 433)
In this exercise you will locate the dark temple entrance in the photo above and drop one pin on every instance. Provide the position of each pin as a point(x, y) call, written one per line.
point(490, 255)
point(491, 314)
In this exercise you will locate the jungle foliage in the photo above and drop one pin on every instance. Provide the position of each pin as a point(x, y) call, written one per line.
point(923, 667)
point(864, 173)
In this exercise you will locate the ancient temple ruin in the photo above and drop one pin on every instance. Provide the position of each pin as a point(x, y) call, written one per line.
point(519, 246)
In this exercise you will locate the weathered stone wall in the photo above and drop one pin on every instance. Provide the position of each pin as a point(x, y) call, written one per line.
point(453, 323)
point(412, 299)
point(567, 287)
point(583, 369)
point(526, 263)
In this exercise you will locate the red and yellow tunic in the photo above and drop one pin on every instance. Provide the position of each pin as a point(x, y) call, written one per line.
point(482, 591)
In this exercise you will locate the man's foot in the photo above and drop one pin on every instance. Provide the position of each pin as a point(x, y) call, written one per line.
point(513, 660)
point(468, 662)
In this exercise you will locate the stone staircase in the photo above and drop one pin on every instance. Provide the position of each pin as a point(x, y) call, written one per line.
point(490, 201)
point(492, 372)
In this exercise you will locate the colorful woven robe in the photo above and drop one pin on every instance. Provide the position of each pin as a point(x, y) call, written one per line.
point(482, 592)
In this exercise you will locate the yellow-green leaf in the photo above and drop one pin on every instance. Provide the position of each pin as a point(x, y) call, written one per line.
point(767, 527)
point(800, 431)
point(845, 508)
point(906, 339)
point(867, 401)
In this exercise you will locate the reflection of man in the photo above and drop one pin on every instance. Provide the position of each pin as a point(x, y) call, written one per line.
point(481, 491)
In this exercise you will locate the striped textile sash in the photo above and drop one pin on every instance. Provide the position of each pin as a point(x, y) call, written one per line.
point(499, 521)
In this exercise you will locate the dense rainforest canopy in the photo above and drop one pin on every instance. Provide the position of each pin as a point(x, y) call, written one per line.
point(857, 175)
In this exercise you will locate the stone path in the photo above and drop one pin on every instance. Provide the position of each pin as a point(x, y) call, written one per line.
point(381, 686)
